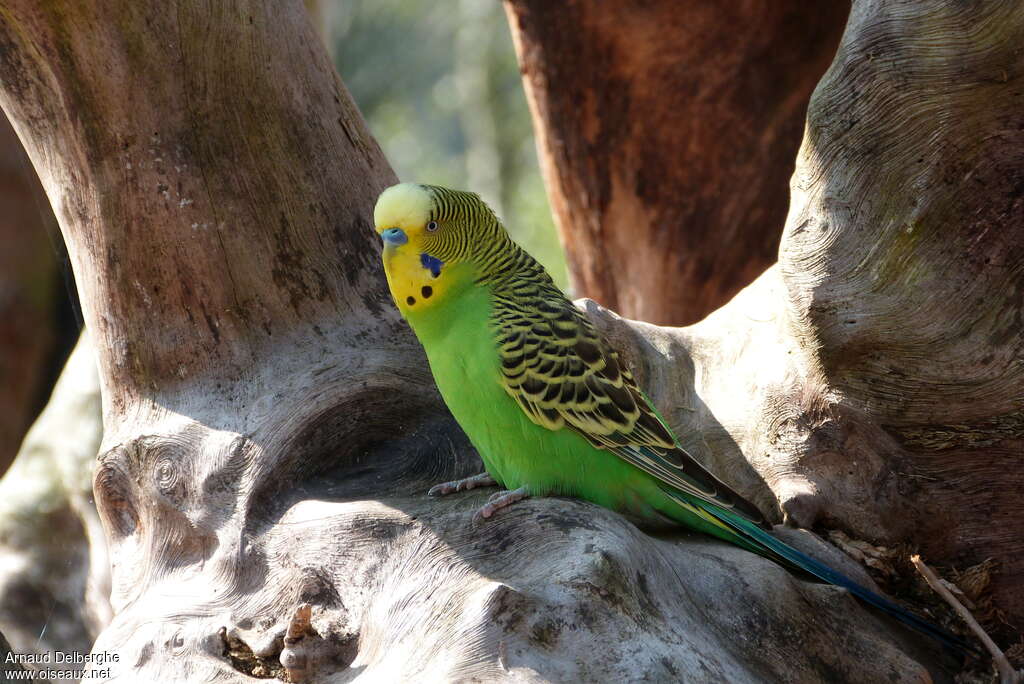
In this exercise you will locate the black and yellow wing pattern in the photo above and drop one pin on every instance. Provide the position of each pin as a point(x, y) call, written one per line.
point(561, 372)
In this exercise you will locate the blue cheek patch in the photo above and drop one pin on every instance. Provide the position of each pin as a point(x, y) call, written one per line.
point(432, 264)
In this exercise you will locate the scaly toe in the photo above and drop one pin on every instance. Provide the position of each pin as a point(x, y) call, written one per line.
point(493, 498)
point(443, 489)
point(465, 484)
point(502, 499)
point(481, 515)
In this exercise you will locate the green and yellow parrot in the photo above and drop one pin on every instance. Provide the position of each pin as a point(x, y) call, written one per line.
point(547, 403)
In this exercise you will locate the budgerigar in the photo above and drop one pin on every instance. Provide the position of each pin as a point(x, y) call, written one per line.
point(547, 403)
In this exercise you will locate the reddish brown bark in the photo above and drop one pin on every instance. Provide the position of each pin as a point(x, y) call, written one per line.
point(667, 133)
point(271, 427)
point(28, 288)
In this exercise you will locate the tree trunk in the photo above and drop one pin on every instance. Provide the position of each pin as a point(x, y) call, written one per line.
point(873, 377)
point(666, 133)
point(28, 290)
point(55, 578)
point(270, 425)
point(7, 668)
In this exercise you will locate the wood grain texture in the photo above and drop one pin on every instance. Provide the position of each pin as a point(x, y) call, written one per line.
point(154, 177)
point(903, 259)
point(666, 133)
point(270, 427)
point(872, 378)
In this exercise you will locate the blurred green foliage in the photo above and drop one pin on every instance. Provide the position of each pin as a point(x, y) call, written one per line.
point(439, 85)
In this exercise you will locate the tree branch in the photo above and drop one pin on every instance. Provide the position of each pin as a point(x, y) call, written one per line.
point(666, 132)
point(1007, 675)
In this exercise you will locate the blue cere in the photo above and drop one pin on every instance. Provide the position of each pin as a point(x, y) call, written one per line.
point(394, 236)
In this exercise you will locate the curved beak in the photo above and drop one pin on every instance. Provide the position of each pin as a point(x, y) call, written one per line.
point(394, 236)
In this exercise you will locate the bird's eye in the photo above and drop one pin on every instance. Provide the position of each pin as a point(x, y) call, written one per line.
point(432, 226)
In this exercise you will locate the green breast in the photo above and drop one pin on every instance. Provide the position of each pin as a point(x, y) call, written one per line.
point(465, 363)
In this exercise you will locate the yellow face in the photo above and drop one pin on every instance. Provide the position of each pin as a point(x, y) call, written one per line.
point(418, 281)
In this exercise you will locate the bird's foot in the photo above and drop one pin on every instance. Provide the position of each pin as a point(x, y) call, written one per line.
point(499, 501)
point(481, 480)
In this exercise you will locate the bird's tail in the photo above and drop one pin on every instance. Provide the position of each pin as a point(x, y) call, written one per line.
point(787, 555)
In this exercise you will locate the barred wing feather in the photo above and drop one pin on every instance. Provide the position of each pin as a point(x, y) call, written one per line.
point(564, 375)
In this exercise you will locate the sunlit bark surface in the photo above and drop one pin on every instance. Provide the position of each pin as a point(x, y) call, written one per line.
point(270, 426)
point(872, 378)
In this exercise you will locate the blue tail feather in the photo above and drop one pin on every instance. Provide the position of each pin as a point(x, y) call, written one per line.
point(792, 556)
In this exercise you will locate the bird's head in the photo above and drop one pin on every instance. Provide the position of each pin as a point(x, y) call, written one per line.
point(433, 238)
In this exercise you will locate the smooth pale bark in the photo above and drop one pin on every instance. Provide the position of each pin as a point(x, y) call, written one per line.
point(270, 426)
point(55, 574)
point(666, 132)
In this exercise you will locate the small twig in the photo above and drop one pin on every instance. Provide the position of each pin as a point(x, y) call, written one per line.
point(1007, 675)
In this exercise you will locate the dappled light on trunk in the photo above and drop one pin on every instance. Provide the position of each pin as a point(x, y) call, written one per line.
point(271, 428)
